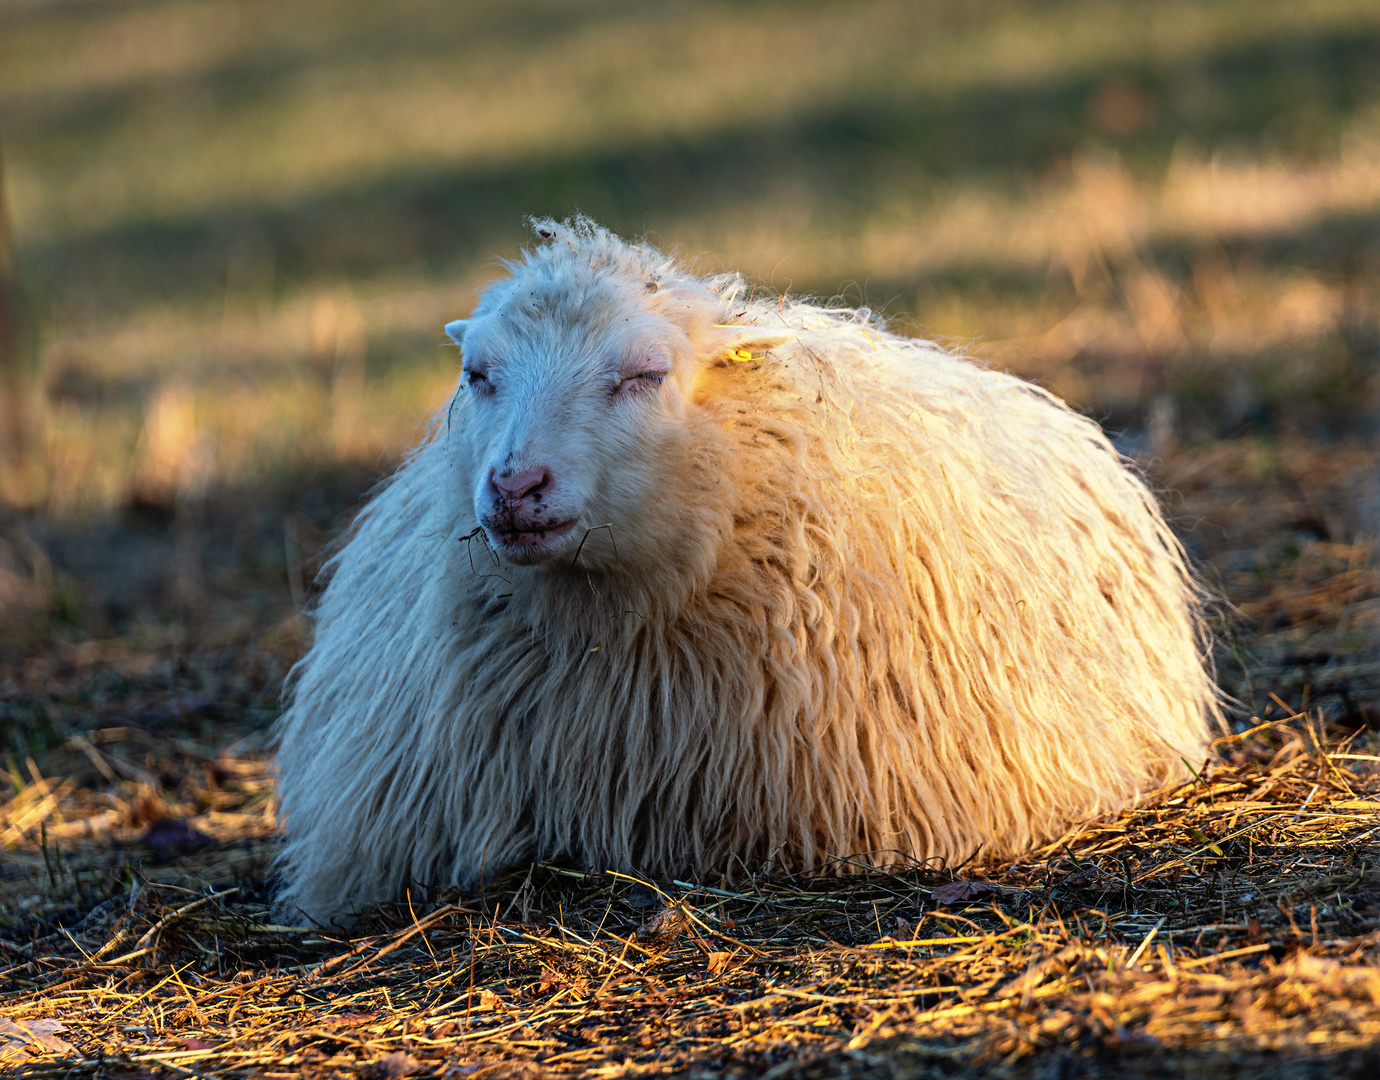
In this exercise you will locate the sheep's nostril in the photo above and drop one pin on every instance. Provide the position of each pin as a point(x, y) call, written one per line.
point(514, 487)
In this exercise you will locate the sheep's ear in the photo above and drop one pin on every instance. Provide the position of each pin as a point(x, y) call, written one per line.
point(456, 331)
point(740, 342)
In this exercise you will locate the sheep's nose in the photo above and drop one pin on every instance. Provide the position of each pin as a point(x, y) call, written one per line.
point(514, 487)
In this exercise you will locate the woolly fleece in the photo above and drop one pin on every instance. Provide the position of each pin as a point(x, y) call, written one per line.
point(868, 601)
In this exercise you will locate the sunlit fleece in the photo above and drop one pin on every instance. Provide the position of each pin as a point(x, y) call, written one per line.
point(687, 578)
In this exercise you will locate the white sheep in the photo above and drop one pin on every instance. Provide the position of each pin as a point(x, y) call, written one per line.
point(637, 605)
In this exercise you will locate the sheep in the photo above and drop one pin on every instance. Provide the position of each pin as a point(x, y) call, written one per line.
point(686, 579)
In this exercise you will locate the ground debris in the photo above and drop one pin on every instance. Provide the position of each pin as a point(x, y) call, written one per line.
point(1234, 916)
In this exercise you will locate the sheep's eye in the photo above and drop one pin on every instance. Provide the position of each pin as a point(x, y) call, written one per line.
point(642, 382)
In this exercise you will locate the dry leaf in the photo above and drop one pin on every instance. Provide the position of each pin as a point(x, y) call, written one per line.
point(548, 979)
point(488, 1000)
point(955, 892)
point(719, 961)
point(23, 1040)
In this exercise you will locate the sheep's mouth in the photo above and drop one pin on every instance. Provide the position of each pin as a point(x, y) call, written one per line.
point(518, 538)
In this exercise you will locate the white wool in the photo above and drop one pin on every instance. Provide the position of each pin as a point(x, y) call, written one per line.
point(858, 597)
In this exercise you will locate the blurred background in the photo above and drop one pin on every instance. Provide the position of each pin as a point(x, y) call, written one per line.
point(236, 227)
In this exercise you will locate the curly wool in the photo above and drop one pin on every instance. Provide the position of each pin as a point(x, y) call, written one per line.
point(904, 608)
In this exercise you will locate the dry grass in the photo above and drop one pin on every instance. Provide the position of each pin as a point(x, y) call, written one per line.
point(1236, 915)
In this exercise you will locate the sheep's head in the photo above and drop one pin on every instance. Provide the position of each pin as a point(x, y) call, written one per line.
point(577, 380)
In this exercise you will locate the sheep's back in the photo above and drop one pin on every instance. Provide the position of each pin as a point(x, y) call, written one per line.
point(997, 627)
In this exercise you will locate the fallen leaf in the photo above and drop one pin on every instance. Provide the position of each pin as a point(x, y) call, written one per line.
point(548, 979)
point(488, 1000)
point(719, 961)
point(23, 1040)
point(1087, 875)
point(954, 892)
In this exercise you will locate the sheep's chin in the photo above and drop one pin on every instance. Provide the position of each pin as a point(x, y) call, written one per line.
point(532, 548)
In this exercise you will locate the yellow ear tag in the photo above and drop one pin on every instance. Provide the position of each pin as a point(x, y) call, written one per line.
point(742, 356)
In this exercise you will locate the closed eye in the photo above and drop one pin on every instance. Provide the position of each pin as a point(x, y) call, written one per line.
point(642, 382)
point(477, 380)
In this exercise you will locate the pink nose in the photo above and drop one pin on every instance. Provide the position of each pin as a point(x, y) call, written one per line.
point(518, 486)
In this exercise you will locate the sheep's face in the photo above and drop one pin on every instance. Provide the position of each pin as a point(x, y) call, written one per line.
point(576, 402)
point(576, 384)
